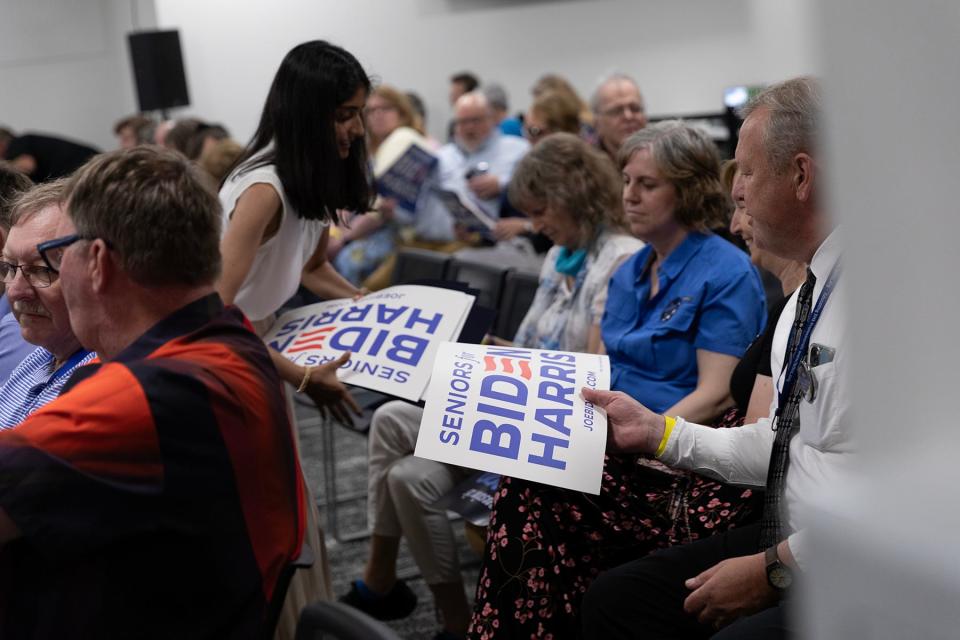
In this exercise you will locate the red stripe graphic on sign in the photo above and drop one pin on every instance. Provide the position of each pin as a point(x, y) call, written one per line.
point(525, 370)
point(490, 364)
point(310, 340)
point(310, 334)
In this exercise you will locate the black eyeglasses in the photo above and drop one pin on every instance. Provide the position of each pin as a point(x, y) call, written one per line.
point(37, 275)
point(631, 108)
point(52, 250)
point(535, 133)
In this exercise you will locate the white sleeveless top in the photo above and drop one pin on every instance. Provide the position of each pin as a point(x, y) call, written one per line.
point(275, 273)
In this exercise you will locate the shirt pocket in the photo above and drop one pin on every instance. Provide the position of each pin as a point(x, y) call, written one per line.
point(672, 337)
point(820, 420)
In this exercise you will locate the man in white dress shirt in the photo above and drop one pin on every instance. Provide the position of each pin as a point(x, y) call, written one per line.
point(732, 585)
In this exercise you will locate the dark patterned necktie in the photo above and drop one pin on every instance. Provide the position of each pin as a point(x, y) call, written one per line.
point(787, 424)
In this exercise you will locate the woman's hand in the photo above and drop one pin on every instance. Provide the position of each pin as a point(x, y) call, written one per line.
point(329, 394)
point(387, 208)
point(511, 228)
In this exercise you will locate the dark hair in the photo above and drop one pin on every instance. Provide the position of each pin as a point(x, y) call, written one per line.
point(178, 137)
point(12, 184)
point(141, 125)
point(417, 103)
point(298, 119)
point(469, 81)
point(194, 145)
point(152, 207)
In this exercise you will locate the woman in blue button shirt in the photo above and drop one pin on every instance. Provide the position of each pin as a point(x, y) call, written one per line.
point(680, 313)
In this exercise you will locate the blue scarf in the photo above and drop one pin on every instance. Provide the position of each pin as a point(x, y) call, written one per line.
point(569, 262)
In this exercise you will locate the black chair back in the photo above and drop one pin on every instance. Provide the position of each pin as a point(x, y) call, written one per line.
point(304, 561)
point(518, 292)
point(486, 278)
point(420, 264)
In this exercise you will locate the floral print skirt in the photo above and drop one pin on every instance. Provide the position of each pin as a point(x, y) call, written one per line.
point(546, 545)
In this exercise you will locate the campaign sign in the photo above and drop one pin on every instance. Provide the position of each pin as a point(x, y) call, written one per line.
point(472, 498)
point(393, 335)
point(517, 412)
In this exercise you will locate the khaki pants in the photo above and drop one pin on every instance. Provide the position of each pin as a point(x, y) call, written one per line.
point(402, 489)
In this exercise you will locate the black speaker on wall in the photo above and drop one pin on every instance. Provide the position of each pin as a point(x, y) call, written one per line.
point(158, 69)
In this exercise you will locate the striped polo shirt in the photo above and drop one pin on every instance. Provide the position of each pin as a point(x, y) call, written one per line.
point(34, 383)
point(159, 496)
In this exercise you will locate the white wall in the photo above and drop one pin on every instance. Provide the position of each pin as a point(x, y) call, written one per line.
point(64, 65)
point(683, 52)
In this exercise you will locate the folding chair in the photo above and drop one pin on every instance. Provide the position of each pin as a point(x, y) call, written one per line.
point(518, 292)
point(420, 264)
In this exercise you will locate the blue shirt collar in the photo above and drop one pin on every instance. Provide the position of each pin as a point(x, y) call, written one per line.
point(678, 258)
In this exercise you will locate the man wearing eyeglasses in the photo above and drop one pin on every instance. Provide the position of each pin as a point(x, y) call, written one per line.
point(618, 111)
point(160, 493)
point(33, 291)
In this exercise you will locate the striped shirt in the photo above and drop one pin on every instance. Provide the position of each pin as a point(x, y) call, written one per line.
point(159, 495)
point(34, 383)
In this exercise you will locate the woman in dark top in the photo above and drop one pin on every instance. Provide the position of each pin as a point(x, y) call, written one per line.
point(752, 382)
point(546, 550)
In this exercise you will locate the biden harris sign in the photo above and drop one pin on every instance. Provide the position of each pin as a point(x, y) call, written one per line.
point(392, 335)
point(517, 412)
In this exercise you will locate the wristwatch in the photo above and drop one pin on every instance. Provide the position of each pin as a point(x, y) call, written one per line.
point(779, 575)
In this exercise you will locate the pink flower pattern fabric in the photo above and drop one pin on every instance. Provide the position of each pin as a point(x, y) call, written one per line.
point(546, 545)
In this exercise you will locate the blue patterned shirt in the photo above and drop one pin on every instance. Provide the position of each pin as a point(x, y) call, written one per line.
point(34, 383)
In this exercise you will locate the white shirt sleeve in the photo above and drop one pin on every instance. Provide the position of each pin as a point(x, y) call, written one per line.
point(738, 456)
point(798, 548)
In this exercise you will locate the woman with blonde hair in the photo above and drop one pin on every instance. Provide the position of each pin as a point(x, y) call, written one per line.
point(363, 241)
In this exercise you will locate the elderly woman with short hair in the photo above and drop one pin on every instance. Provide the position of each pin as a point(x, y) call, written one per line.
point(679, 315)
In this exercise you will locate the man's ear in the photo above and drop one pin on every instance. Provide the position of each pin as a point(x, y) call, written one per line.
point(804, 175)
point(101, 266)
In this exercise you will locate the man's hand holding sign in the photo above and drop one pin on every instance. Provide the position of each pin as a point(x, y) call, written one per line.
point(631, 427)
point(517, 412)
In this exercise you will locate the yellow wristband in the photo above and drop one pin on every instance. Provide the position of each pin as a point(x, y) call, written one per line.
point(668, 425)
point(307, 370)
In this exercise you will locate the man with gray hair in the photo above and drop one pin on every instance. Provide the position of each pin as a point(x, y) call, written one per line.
point(35, 295)
point(737, 584)
point(477, 165)
point(160, 491)
point(618, 111)
point(500, 104)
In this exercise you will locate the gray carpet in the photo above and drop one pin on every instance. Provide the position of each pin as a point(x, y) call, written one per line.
point(347, 558)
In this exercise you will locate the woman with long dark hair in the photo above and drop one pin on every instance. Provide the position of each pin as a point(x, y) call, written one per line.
point(307, 161)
